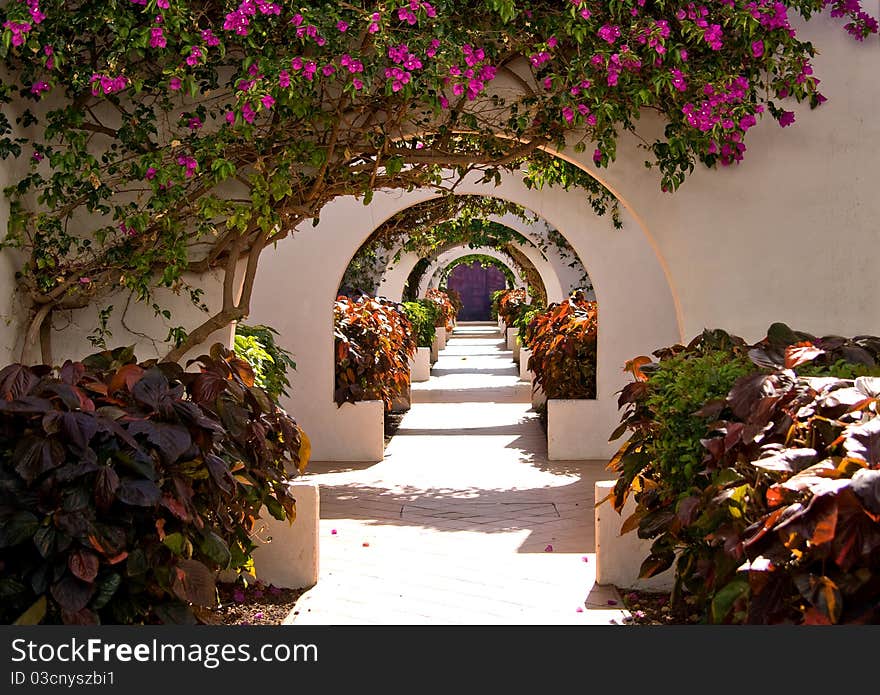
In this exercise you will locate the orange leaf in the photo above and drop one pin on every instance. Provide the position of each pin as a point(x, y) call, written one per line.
point(801, 353)
point(634, 367)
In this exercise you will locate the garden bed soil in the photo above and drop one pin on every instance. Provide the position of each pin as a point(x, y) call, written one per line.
point(257, 604)
point(652, 608)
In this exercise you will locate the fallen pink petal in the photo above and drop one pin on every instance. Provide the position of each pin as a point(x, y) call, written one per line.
point(548, 549)
point(612, 602)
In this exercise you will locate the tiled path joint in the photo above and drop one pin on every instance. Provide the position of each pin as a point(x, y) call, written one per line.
point(465, 521)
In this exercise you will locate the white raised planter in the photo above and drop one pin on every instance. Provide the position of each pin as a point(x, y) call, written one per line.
point(619, 558)
point(511, 338)
point(578, 430)
point(539, 398)
point(403, 401)
point(364, 428)
point(287, 555)
point(524, 373)
point(441, 337)
point(420, 365)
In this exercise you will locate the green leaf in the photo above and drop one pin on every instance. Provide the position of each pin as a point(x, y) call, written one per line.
point(216, 549)
point(722, 602)
point(35, 614)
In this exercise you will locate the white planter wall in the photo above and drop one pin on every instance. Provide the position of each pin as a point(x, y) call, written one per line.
point(288, 555)
point(511, 338)
point(420, 365)
point(524, 373)
point(441, 337)
point(619, 558)
point(578, 430)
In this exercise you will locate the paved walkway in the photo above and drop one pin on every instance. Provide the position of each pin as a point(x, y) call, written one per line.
point(464, 521)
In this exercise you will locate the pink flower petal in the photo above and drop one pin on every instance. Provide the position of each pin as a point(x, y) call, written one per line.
point(548, 549)
point(579, 609)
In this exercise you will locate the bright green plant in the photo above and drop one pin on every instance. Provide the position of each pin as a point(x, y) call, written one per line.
point(422, 315)
point(271, 362)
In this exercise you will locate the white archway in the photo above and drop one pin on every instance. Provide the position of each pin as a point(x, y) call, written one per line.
point(396, 275)
point(431, 277)
point(638, 309)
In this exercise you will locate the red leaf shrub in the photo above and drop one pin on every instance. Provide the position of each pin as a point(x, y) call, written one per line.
point(125, 487)
point(780, 521)
point(562, 339)
point(447, 311)
point(374, 341)
point(510, 304)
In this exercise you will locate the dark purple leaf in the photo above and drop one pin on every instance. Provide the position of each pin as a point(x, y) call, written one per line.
point(18, 528)
point(83, 564)
point(220, 472)
point(866, 485)
point(36, 455)
point(106, 484)
point(194, 583)
point(139, 493)
point(207, 386)
point(152, 389)
point(863, 441)
point(748, 392)
point(72, 594)
point(72, 372)
point(16, 381)
point(171, 441)
point(787, 460)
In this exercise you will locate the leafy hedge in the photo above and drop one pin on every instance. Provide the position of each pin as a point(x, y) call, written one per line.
point(495, 299)
point(756, 471)
point(422, 314)
point(446, 311)
point(374, 341)
point(454, 299)
point(125, 487)
point(256, 345)
point(562, 339)
point(510, 304)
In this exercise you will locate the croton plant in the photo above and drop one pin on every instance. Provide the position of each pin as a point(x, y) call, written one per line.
point(374, 342)
point(562, 339)
point(446, 310)
point(126, 487)
point(756, 472)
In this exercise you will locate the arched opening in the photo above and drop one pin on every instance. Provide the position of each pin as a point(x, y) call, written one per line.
point(475, 281)
point(629, 281)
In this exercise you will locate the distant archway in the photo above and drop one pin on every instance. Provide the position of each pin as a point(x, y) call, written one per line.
point(624, 268)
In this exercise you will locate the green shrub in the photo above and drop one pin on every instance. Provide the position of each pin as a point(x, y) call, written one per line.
point(270, 362)
point(510, 304)
point(562, 339)
point(758, 479)
point(125, 487)
point(526, 314)
point(495, 300)
point(374, 342)
point(422, 315)
point(445, 310)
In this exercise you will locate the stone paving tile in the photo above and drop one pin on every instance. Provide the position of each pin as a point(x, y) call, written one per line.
point(465, 521)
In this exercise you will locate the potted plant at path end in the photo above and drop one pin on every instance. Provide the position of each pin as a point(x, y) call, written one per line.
point(562, 340)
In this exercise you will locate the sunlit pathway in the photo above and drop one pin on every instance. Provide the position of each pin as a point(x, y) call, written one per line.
point(464, 521)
